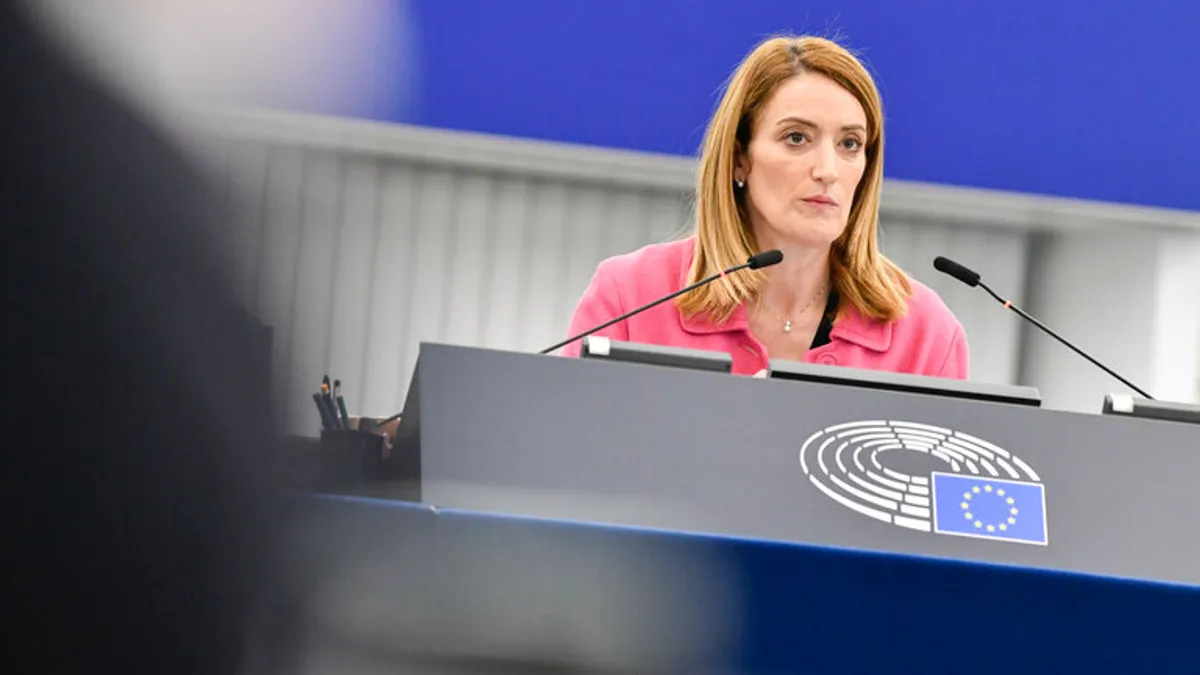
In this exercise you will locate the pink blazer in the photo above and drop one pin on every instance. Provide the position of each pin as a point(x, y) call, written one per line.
point(928, 340)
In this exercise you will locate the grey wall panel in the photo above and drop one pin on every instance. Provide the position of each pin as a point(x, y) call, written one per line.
point(507, 241)
point(357, 251)
point(585, 241)
point(470, 262)
point(430, 259)
point(541, 289)
point(387, 331)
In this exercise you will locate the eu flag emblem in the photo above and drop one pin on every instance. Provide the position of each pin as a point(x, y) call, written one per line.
point(989, 508)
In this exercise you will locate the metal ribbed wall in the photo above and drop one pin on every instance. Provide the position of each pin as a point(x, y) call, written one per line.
point(355, 261)
point(356, 258)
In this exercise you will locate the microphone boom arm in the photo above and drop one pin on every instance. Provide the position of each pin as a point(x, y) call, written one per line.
point(626, 315)
point(1046, 329)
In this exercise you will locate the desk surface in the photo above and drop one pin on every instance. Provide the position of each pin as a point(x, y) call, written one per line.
point(478, 584)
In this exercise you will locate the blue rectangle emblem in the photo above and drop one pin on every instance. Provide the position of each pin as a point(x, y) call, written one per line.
point(989, 508)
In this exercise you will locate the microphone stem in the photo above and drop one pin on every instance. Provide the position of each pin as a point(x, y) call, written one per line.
point(626, 315)
point(1046, 329)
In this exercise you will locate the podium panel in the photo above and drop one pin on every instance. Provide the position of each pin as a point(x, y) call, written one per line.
point(842, 466)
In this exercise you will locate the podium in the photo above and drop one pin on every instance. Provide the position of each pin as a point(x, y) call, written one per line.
point(580, 515)
point(804, 462)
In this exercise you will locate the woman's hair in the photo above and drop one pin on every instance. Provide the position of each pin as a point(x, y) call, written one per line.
point(862, 276)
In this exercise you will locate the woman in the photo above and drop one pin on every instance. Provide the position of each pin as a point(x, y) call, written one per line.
point(792, 160)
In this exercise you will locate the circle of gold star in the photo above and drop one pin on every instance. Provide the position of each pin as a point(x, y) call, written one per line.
point(979, 525)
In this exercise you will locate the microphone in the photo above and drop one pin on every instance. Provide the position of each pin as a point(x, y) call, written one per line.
point(971, 278)
point(755, 262)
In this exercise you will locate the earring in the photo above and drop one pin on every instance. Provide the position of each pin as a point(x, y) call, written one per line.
point(740, 183)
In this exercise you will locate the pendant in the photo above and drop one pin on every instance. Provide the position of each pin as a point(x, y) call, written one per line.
point(787, 326)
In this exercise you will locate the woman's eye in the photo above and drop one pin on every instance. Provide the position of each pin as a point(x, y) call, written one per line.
point(852, 144)
point(795, 138)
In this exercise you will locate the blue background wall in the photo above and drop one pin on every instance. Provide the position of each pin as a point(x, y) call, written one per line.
point(1095, 99)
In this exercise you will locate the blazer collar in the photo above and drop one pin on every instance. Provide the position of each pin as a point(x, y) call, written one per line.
point(850, 326)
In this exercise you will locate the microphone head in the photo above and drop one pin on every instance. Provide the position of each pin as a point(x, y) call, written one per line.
point(964, 274)
point(765, 259)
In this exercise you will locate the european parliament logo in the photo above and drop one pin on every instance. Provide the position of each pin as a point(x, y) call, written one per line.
point(985, 491)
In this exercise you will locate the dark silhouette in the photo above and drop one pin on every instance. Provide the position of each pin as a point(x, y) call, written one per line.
point(139, 499)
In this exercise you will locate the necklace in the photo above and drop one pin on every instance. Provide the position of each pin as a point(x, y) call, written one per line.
point(787, 323)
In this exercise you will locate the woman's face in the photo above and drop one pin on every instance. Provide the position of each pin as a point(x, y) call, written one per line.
point(804, 161)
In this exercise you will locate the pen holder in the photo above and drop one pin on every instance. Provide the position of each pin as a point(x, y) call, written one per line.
point(349, 456)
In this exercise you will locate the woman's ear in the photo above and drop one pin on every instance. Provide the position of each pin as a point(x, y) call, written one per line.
point(741, 164)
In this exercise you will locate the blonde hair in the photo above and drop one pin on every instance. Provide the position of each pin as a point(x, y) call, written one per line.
point(862, 276)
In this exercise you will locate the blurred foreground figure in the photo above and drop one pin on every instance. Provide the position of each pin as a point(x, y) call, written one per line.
point(135, 415)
